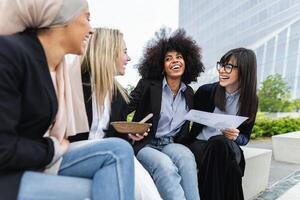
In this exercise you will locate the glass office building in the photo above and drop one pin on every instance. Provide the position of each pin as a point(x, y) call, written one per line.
point(269, 27)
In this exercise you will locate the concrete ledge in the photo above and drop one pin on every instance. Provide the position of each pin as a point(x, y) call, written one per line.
point(286, 147)
point(258, 162)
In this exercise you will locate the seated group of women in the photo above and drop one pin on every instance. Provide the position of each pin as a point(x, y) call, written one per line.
point(46, 103)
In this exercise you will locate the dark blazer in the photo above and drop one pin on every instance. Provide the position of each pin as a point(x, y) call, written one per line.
point(146, 98)
point(204, 101)
point(28, 106)
point(118, 111)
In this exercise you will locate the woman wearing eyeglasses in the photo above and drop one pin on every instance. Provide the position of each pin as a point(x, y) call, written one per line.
point(219, 158)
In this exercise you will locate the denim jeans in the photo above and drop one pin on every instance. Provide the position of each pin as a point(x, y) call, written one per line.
point(145, 189)
point(172, 167)
point(97, 169)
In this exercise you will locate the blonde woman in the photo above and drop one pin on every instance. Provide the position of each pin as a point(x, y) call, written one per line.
point(106, 101)
point(35, 99)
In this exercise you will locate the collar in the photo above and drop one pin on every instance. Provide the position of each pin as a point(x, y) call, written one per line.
point(232, 95)
point(181, 89)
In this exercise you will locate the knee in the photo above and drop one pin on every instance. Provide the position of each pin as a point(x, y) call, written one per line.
point(112, 146)
point(219, 141)
point(118, 146)
point(179, 153)
point(220, 146)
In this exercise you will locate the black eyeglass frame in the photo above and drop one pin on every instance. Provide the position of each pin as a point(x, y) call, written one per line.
point(227, 67)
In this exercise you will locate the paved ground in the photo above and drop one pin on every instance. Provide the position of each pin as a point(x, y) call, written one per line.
point(284, 177)
point(278, 170)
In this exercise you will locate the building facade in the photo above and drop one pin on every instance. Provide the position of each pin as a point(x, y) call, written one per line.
point(269, 27)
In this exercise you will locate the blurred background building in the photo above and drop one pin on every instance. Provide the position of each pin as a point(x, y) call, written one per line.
point(269, 27)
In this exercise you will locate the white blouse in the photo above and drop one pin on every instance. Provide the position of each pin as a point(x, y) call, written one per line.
point(100, 122)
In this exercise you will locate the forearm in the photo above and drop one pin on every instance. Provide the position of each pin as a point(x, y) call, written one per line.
point(19, 153)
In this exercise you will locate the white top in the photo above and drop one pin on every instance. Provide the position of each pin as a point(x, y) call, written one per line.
point(54, 165)
point(100, 123)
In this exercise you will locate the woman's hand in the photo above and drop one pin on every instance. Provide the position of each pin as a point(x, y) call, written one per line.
point(231, 133)
point(137, 137)
point(65, 145)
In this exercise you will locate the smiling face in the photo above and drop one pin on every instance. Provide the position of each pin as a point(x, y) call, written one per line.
point(174, 65)
point(229, 80)
point(78, 32)
point(122, 60)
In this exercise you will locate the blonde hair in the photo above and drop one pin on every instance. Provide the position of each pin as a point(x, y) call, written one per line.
point(103, 51)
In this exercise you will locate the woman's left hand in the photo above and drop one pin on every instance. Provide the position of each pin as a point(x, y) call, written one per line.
point(137, 137)
point(231, 133)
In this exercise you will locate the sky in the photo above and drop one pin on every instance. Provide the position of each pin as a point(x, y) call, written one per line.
point(138, 20)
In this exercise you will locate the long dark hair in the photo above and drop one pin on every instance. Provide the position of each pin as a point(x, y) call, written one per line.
point(151, 65)
point(247, 67)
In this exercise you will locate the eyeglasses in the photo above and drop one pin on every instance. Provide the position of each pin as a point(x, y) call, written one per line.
point(227, 67)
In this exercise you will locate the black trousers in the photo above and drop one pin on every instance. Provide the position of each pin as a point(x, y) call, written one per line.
point(221, 166)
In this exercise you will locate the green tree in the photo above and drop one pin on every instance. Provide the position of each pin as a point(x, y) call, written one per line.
point(296, 104)
point(274, 95)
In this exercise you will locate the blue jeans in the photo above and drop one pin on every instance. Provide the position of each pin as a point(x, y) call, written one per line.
point(173, 169)
point(98, 169)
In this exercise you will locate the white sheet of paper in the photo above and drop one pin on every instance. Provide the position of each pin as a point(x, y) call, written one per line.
point(220, 121)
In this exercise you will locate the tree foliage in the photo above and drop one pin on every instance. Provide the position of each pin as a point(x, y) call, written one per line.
point(274, 95)
point(296, 104)
point(267, 127)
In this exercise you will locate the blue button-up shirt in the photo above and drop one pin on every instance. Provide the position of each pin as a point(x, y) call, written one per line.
point(231, 108)
point(172, 111)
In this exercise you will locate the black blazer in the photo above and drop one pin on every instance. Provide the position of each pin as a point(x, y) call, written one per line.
point(204, 101)
point(146, 98)
point(118, 111)
point(28, 106)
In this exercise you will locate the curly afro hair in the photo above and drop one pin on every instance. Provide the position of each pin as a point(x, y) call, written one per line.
point(151, 65)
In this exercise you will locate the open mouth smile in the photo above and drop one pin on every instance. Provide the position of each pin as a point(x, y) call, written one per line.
point(175, 67)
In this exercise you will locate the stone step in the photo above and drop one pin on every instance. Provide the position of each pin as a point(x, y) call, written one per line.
point(286, 147)
point(258, 162)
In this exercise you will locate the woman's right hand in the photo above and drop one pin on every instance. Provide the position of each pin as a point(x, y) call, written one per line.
point(231, 133)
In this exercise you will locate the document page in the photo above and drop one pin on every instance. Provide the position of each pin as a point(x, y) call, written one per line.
point(219, 121)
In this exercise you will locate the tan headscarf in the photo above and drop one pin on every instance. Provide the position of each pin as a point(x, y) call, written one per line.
point(16, 16)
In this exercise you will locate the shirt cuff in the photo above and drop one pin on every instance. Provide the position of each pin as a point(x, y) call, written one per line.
point(58, 151)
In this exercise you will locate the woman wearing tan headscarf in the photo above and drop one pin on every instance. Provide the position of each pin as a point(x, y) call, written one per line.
point(41, 105)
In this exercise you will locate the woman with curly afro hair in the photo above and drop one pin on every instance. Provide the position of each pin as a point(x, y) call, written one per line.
point(169, 64)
